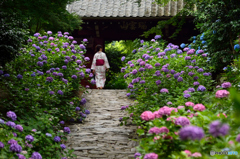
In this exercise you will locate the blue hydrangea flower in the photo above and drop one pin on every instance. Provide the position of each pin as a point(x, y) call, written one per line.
point(236, 47)
point(182, 45)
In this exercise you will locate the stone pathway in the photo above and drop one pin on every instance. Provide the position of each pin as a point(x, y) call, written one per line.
point(101, 136)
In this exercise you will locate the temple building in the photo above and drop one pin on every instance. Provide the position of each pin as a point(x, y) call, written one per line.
point(125, 20)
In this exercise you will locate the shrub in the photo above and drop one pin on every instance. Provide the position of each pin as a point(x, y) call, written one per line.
point(42, 85)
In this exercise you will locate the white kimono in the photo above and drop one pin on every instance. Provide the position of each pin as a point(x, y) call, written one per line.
point(100, 71)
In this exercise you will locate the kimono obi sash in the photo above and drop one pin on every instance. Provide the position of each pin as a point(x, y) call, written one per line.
point(100, 62)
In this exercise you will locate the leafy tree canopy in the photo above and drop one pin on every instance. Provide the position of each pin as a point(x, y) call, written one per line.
point(44, 14)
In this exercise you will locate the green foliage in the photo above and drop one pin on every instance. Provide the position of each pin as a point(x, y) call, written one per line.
point(43, 15)
point(26, 81)
point(221, 23)
point(12, 35)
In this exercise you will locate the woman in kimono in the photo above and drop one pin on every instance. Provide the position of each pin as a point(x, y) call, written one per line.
point(99, 66)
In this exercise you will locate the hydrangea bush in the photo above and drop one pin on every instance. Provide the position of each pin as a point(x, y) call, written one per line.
point(42, 85)
point(179, 112)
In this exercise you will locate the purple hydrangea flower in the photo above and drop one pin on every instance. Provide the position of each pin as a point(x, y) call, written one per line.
point(157, 64)
point(216, 128)
point(137, 154)
point(57, 139)
point(157, 37)
point(195, 83)
point(93, 82)
point(164, 90)
point(12, 141)
point(83, 101)
point(191, 73)
point(191, 89)
point(1, 145)
point(142, 82)
point(1, 121)
point(82, 46)
point(51, 92)
point(64, 67)
point(87, 112)
point(36, 155)
point(176, 75)
point(49, 79)
point(19, 76)
point(187, 95)
point(20, 156)
point(141, 69)
point(187, 58)
point(11, 124)
point(62, 122)
point(183, 121)
point(15, 148)
point(128, 94)
point(195, 78)
point(77, 109)
point(158, 73)
point(134, 72)
point(60, 92)
point(191, 132)
point(19, 128)
point(226, 85)
point(29, 138)
point(201, 88)
point(48, 134)
point(12, 115)
point(66, 130)
point(158, 82)
point(74, 77)
point(172, 71)
point(205, 74)
point(6, 75)
point(49, 32)
point(62, 146)
point(87, 59)
point(180, 79)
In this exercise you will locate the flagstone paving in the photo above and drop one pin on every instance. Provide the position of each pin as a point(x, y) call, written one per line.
point(101, 136)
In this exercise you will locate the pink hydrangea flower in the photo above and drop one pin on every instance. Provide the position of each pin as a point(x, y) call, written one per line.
point(34, 130)
point(180, 107)
point(199, 107)
point(156, 130)
point(156, 114)
point(231, 142)
point(165, 111)
point(176, 133)
point(191, 115)
point(188, 104)
point(147, 115)
point(151, 156)
point(156, 138)
point(222, 114)
point(188, 152)
point(174, 109)
point(222, 93)
point(196, 154)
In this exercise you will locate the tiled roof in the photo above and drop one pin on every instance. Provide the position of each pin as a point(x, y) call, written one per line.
point(123, 8)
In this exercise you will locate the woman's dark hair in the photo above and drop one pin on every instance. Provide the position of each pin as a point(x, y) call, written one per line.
point(98, 47)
